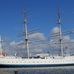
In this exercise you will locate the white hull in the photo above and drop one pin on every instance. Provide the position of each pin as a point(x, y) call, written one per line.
point(14, 62)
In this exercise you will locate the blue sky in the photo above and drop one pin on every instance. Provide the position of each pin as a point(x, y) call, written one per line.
point(42, 15)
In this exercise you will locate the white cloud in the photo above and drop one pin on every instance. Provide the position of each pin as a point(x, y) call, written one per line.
point(55, 30)
point(67, 42)
point(34, 46)
point(67, 37)
point(54, 44)
point(13, 43)
point(37, 36)
point(16, 45)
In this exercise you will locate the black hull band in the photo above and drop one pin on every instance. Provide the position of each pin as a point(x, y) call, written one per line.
point(34, 66)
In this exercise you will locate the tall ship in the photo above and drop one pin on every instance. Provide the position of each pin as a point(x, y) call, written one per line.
point(35, 62)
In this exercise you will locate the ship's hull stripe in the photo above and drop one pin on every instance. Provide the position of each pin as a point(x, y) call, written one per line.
point(30, 66)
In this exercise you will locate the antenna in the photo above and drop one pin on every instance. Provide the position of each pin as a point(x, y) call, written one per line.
point(60, 31)
point(26, 34)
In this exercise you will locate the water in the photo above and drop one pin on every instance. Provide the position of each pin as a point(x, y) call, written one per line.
point(47, 71)
point(42, 71)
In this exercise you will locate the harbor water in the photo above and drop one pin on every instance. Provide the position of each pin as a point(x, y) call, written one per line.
point(40, 71)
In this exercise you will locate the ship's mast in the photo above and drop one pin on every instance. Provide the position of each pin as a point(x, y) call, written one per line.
point(60, 32)
point(1, 49)
point(26, 36)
